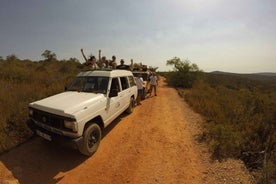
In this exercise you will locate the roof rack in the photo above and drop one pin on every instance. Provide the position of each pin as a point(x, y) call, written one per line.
point(97, 69)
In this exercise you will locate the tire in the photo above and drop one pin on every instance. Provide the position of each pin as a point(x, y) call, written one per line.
point(91, 139)
point(130, 108)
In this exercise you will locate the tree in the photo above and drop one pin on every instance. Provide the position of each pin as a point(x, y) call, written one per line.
point(182, 66)
point(49, 55)
point(185, 73)
point(73, 60)
point(12, 57)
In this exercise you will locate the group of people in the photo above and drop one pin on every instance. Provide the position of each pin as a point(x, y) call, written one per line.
point(103, 62)
point(153, 84)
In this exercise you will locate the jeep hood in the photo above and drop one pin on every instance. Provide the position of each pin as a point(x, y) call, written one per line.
point(67, 103)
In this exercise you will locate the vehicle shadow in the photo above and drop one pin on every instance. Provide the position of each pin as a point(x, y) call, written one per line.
point(113, 124)
point(44, 162)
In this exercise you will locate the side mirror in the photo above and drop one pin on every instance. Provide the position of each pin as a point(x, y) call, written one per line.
point(113, 93)
point(65, 88)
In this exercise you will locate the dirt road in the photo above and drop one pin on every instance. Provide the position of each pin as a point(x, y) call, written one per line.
point(155, 144)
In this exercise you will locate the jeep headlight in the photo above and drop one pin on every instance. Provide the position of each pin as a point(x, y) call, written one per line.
point(31, 112)
point(71, 125)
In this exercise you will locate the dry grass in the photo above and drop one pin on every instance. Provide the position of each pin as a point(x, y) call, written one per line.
point(240, 119)
point(21, 83)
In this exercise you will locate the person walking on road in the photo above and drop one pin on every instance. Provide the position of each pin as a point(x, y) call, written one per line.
point(153, 83)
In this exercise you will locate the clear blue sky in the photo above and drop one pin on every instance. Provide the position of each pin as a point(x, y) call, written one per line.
point(227, 35)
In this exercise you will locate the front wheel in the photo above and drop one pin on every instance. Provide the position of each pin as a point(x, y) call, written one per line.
point(91, 139)
point(131, 106)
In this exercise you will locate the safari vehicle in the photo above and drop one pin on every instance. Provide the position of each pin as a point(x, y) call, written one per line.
point(90, 103)
point(145, 75)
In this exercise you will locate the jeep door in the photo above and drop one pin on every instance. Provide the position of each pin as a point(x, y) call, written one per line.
point(114, 101)
point(126, 92)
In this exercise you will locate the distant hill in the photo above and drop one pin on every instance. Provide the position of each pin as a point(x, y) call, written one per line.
point(261, 73)
point(265, 74)
point(265, 78)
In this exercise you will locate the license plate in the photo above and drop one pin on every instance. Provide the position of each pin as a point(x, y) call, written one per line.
point(45, 136)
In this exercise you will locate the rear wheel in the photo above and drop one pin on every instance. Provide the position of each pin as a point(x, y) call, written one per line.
point(91, 139)
point(131, 106)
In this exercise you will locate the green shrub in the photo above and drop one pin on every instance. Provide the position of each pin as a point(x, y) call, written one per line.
point(184, 75)
point(240, 120)
point(23, 82)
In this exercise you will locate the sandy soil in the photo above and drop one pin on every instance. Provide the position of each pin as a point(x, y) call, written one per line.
point(155, 144)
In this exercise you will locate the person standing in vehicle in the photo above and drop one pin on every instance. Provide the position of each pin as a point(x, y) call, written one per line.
point(122, 65)
point(103, 62)
point(131, 66)
point(91, 62)
point(113, 62)
point(153, 83)
point(139, 83)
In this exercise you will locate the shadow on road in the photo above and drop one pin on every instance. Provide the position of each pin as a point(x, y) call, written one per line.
point(44, 162)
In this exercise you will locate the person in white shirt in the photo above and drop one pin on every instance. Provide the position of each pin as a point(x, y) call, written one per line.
point(139, 83)
point(153, 83)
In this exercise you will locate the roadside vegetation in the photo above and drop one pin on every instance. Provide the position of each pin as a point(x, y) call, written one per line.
point(239, 110)
point(239, 113)
point(24, 81)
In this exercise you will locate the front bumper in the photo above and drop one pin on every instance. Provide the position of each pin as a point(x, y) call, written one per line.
point(55, 137)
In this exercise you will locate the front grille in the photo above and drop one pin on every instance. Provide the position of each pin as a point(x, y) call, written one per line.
point(49, 119)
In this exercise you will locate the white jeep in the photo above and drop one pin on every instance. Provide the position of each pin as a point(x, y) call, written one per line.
point(92, 101)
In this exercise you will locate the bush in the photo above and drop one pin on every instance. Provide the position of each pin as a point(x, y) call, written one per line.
point(184, 75)
point(22, 82)
point(240, 120)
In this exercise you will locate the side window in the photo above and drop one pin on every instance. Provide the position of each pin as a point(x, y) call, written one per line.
point(131, 81)
point(115, 85)
point(124, 83)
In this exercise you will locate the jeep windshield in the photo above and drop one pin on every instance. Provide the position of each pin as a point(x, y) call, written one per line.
point(91, 84)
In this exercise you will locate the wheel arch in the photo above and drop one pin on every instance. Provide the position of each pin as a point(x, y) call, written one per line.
point(98, 120)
